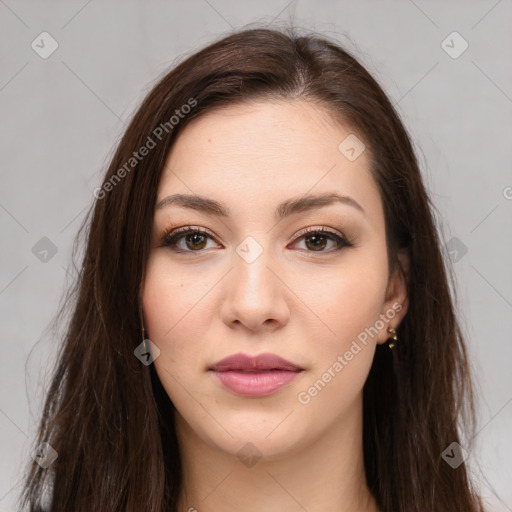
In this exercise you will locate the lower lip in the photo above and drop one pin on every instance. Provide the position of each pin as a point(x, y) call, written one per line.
point(255, 384)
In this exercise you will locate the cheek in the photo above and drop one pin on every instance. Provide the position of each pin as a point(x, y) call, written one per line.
point(350, 306)
point(171, 314)
point(170, 297)
point(348, 300)
point(169, 307)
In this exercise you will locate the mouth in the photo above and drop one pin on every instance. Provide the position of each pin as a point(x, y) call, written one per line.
point(257, 376)
point(260, 363)
point(265, 370)
point(255, 383)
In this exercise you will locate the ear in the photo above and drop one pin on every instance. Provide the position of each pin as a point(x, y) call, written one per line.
point(396, 301)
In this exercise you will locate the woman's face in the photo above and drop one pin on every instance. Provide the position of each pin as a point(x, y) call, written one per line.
point(253, 282)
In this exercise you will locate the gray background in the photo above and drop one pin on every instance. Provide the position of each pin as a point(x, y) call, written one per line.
point(61, 118)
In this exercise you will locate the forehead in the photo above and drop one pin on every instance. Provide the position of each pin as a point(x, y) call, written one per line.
point(262, 152)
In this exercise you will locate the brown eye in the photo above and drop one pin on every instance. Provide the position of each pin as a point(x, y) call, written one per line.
point(195, 241)
point(316, 240)
point(187, 240)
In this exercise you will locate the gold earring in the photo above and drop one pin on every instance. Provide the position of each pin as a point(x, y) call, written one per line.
point(393, 336)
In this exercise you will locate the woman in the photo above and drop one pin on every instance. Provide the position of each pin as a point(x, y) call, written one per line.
point(263, 318)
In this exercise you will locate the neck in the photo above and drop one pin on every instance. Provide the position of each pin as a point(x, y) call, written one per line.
point(322, 474)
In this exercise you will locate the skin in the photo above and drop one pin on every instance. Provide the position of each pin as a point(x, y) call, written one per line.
point(305, 305)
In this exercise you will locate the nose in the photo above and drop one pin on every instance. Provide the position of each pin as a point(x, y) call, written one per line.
point(255, 295)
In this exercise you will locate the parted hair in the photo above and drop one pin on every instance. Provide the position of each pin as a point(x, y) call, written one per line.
point(108, 416)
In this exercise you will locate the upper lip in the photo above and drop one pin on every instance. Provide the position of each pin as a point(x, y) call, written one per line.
point(260, 362)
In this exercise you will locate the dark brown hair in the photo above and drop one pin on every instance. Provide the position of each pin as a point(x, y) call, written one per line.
point(108, 416)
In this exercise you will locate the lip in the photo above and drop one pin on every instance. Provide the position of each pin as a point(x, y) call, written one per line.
point(261, 362)
point(256, 376)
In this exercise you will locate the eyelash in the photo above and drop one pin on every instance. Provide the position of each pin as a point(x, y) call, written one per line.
point(171, 237)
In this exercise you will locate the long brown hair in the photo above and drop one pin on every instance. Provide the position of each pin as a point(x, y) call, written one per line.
point(108, 416)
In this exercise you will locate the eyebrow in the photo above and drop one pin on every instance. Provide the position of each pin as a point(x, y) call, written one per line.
point(285, 209)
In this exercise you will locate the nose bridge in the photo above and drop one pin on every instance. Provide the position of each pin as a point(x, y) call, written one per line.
point(254, 294)
point(251, 274)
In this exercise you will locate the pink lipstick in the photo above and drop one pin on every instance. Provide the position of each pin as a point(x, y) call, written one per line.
point(256, 376)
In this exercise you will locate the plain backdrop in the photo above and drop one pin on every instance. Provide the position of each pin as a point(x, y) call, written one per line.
point(62, 115)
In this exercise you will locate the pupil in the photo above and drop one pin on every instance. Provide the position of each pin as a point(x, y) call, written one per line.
point(196, 239)
point(317, 238)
